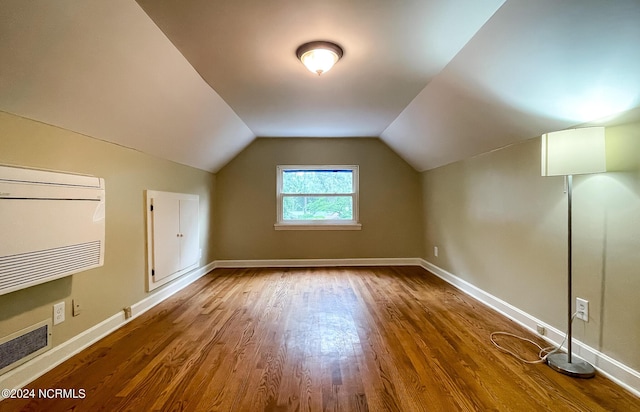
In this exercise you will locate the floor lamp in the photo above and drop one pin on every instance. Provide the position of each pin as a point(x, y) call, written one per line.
point(567, 153)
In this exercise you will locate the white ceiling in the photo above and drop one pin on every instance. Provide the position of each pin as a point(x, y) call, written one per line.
point(245, 49)
point(195, 81)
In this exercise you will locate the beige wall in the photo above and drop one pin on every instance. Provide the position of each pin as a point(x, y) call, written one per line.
point(246, 203)
point(104, 291)
point(501, 226)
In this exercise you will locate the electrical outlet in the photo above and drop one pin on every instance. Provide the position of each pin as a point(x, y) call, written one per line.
point(127, 312)
point(75, 305)
point(58, 313)
point(582, 307)
point(435, 251)
point(541, 330)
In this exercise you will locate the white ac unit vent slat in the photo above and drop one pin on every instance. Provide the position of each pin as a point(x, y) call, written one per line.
point(27, 268)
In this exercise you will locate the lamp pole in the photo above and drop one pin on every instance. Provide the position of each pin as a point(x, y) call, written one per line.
point(561, 362)
point(569, 267)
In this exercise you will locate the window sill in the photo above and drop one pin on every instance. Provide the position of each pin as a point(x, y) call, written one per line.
point(319, 226)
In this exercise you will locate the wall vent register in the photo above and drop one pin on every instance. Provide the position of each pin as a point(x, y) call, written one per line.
point(26, 344)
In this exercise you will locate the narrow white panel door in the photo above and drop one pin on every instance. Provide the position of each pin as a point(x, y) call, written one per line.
point(190, 239)
point(166, 236)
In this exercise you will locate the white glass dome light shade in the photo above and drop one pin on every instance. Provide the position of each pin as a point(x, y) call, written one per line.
point(319, 56)
point(319, 60)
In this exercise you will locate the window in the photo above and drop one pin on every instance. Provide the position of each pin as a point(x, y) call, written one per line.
point(317, 198)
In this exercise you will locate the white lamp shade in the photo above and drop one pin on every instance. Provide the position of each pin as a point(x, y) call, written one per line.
point(574, 152)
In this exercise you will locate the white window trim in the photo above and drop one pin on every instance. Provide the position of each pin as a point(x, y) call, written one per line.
point(318, 224)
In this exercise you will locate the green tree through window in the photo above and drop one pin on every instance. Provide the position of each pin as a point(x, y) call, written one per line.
point(317, 194)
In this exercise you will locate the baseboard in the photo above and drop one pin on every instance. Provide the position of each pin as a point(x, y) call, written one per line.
point(623, 375)
point(38, 366)
point(278, 263)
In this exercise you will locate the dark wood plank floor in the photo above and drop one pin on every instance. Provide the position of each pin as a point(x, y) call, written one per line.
point(338, 339)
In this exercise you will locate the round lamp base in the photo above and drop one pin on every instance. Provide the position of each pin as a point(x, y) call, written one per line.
point(577, 368)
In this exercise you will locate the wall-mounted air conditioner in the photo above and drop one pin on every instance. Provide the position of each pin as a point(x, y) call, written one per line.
point(52, 225)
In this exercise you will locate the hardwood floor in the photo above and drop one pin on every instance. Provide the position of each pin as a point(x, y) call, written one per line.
point(330, 339)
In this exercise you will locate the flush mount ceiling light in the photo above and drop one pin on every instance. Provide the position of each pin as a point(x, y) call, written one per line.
point(319, 56)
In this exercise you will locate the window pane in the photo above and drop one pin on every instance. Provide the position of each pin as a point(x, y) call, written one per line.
point(317, 181)
point(317, 208)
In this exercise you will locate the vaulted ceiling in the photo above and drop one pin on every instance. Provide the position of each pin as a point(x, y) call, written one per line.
point(195, 81)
